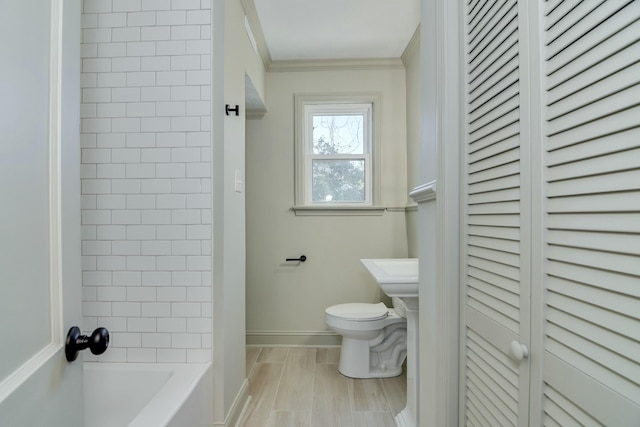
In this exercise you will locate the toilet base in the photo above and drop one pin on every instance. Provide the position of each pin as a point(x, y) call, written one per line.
point(371, 374)
point(356, 357)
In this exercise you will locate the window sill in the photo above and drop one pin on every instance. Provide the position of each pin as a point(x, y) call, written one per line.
point(338, 210)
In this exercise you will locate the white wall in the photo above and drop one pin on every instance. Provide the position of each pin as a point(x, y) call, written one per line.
point(286, 302)
point(411, 61)
point(146, 177)
point(233, 58)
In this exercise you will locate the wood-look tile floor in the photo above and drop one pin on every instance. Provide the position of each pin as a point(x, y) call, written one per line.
point(302, 387)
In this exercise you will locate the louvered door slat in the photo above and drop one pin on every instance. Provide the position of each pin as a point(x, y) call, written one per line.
point(494, 87)
point(510, 246)
point(504, 68)
point(612, 223)
point(488, 107)
point(503, 53)
point(594, 176)
point(614, 34)
point(495, 208)
point(596, 111)
point(505, 233)
point(606, 144)
point(480, 13)
point(502, 139)
point(608, 202)
point(593, 276)
point(581, 19)
point(482, 405)
point(494, 185)
point(601, 89)
point(551, 422)
point(474, 418)
point(494, 161)
point(626, 243)
point(606, 183)
point(557, 10)
point(595, 333)
point(502, 120)
point(589, 68)
point(503, 292)
point(486, 17)
point(507, 221)
point(493, 308)
point(503, 366)
point(510, 259)
point(507, 287)
point(489, 34)
point(597, 128)
point(621, 307)
point(564, 412)
point(482, 385)
point(495, 196)
point(551, 5)
point(493, 246)
point(494, 112)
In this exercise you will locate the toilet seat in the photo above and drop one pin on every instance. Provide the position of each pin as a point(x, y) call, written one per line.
point(358, 312)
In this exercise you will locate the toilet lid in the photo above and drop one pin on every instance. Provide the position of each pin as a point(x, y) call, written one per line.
point(359, 311)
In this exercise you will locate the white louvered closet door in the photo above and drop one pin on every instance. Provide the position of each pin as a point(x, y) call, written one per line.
point(495, 384)
point(591, 82)
point(552, 207)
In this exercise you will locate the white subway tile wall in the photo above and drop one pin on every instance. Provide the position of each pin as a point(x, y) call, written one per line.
point(146, 170)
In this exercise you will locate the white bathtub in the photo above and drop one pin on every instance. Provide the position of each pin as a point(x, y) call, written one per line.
point(147, 395)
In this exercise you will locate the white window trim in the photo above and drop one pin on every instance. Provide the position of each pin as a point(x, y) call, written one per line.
point(303, 205)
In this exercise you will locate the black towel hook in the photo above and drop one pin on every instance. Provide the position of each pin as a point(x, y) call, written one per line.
point(228, 109)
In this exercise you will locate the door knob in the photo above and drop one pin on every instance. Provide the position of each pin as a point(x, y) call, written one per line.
point(75, 343)
point(518, 351)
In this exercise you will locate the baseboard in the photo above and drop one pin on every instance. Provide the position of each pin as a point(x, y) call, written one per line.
point(293, 338)
point(243, 414)
point(238, 408)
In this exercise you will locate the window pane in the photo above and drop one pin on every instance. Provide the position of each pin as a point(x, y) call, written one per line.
point(338, 134)
point(338, 181)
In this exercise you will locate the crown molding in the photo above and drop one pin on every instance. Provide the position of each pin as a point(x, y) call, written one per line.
point(336, 65)
point(252, 15)
point(413, 47)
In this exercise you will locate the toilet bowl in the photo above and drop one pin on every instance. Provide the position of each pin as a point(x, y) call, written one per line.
point(374, 339)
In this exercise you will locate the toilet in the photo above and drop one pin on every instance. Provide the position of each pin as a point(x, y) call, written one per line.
point(374, 338)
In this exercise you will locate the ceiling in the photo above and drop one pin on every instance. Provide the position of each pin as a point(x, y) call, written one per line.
point(337, 29)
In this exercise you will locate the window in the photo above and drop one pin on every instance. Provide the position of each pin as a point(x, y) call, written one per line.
point(335, 152)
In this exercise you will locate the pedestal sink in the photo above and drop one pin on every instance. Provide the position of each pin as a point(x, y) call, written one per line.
point(399, 278)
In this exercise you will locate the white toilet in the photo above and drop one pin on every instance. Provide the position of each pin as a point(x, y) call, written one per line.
point(374, 338)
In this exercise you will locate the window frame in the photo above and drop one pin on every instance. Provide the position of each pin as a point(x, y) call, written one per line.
point(305, 107)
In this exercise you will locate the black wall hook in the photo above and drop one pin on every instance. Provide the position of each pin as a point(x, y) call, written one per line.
point(227, 110)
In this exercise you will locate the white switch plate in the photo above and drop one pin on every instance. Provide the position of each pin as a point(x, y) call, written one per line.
point(239, 181)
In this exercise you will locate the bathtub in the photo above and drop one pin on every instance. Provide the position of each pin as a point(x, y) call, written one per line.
point(145, 395)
